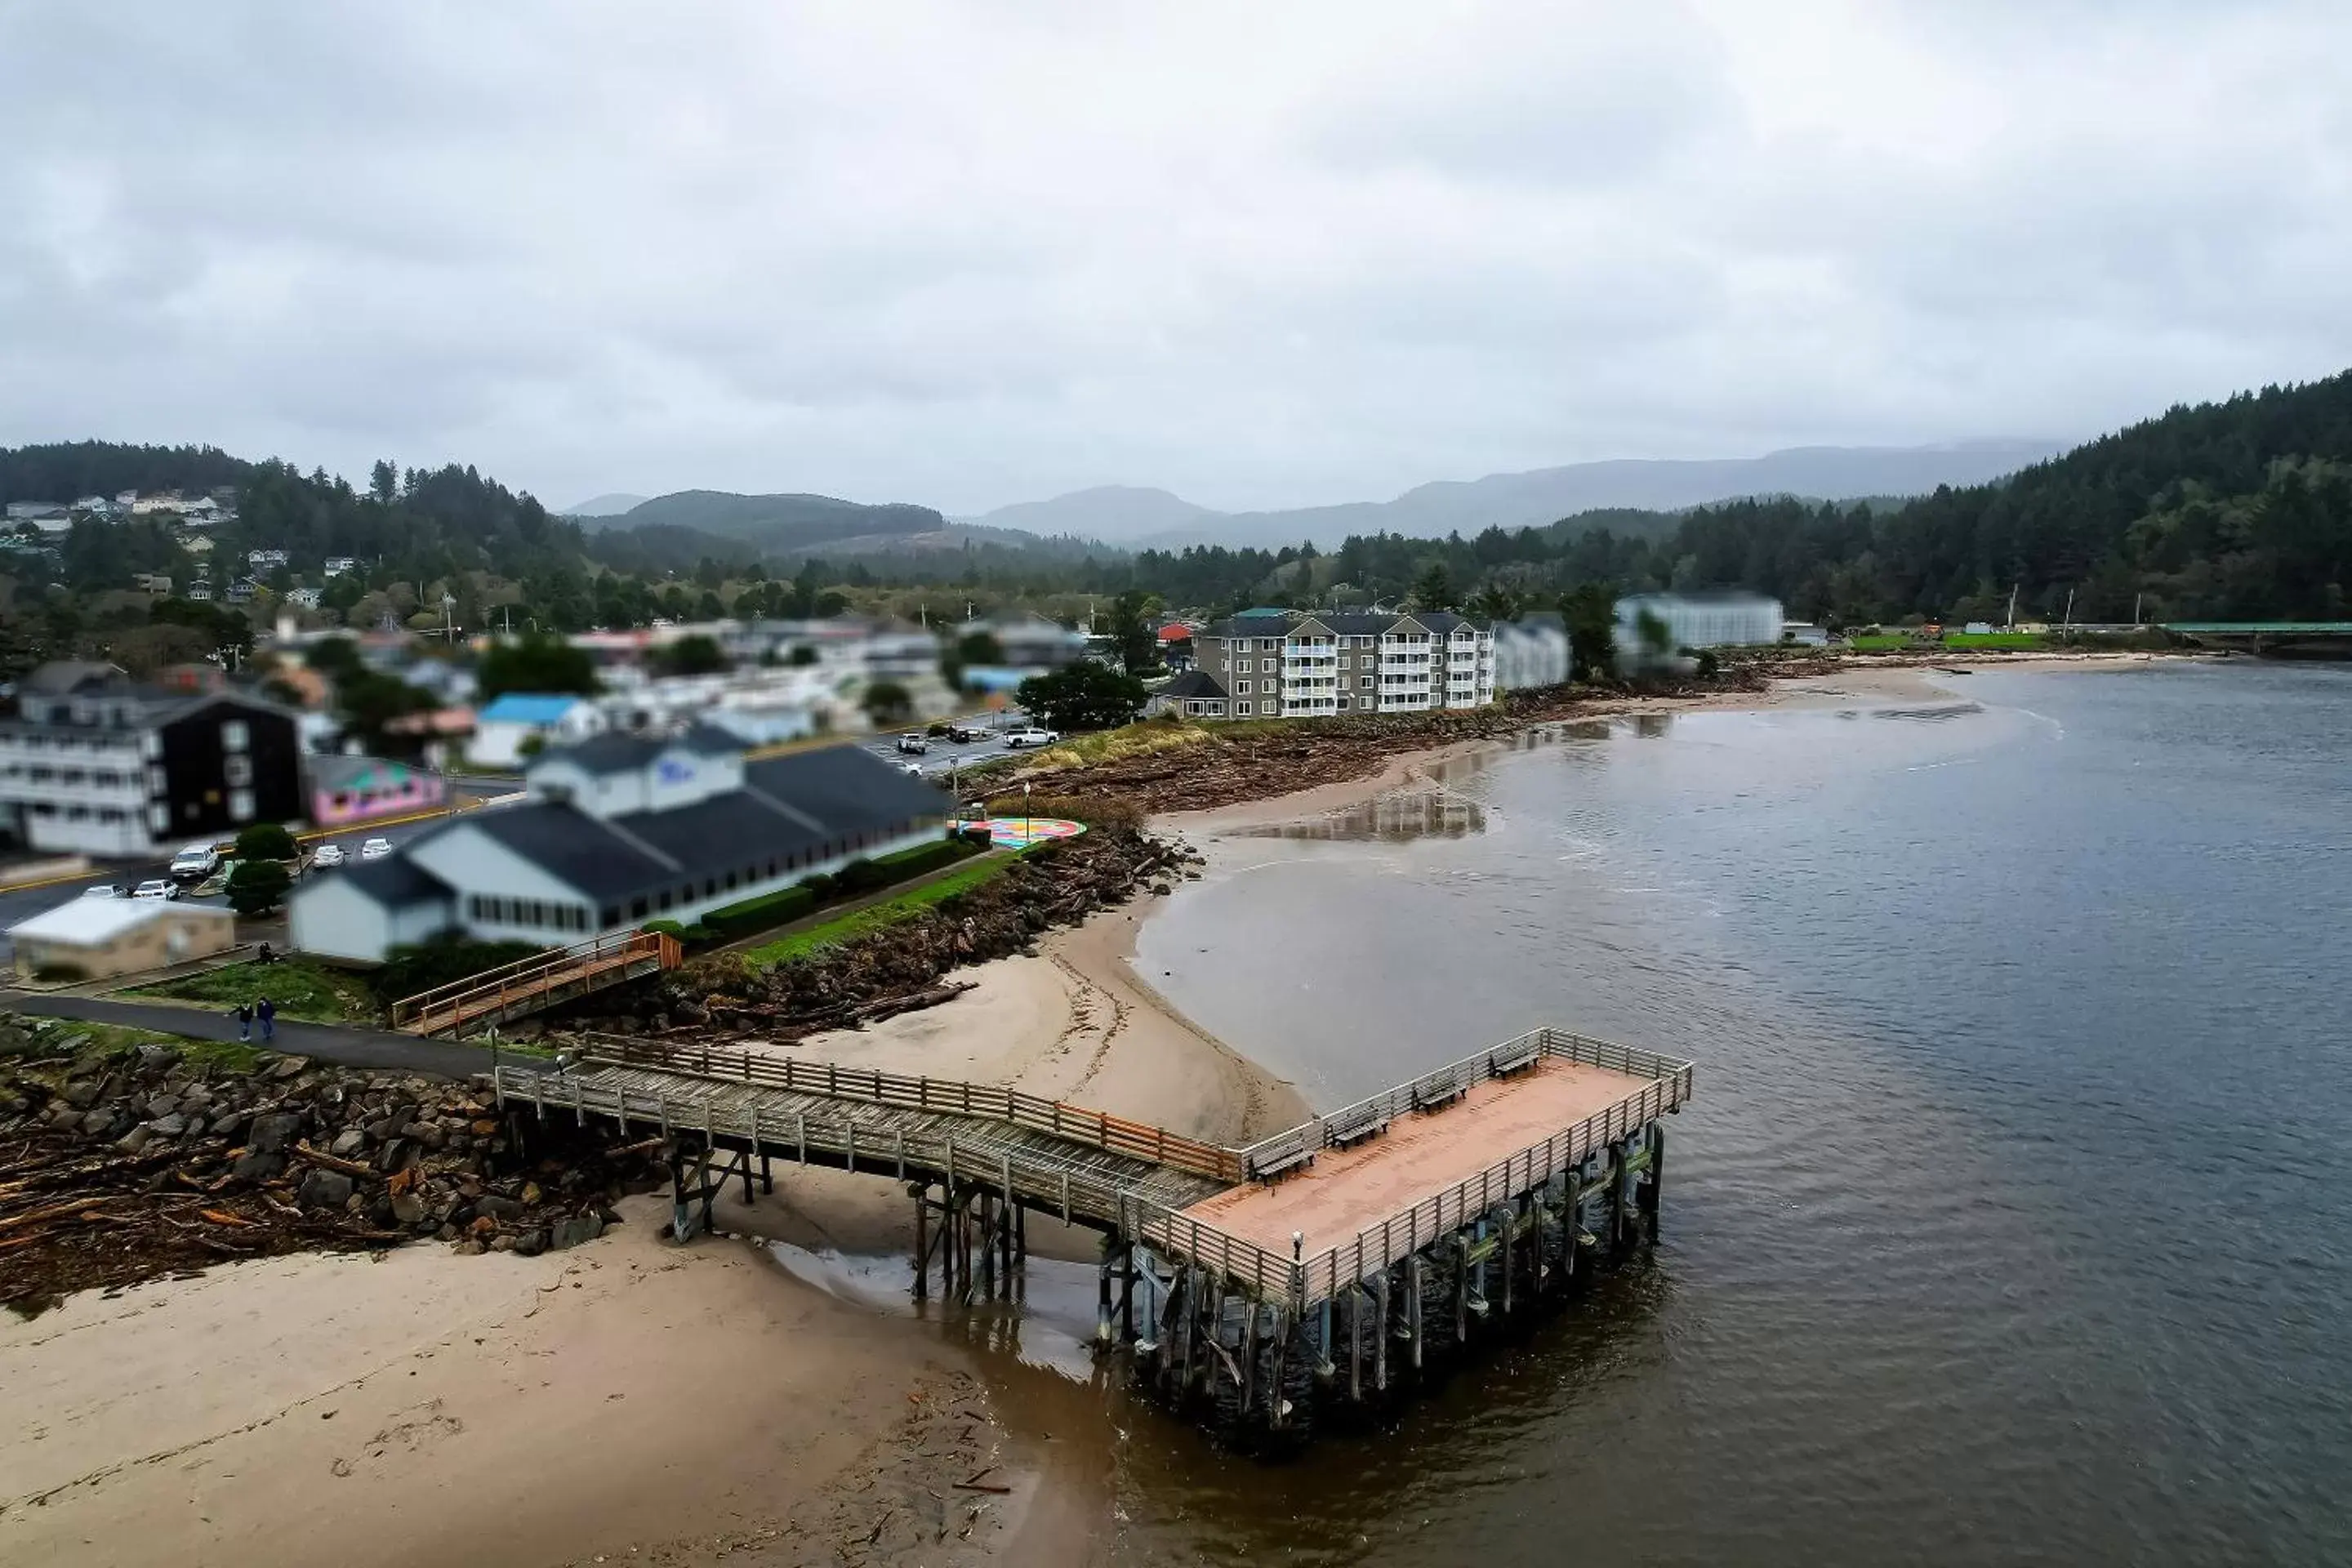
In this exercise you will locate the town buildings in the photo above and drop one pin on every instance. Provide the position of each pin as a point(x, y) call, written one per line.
point(94, 763)
point(348, 791)
point(1195, 694)
point(618, 830)
point(1308, 664)
point(95, 938)
point(505, 726)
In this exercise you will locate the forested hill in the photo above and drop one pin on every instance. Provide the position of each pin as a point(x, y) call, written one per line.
point(779, 522)
point(2240, 509)
point(64, 471)
point(413, 525)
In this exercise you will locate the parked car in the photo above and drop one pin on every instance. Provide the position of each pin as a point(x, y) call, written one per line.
point(966, 734)
point(327, 855)
point(156, 888)
point(195, 863)
point(939, 730)
point(912, 770)
point(375, 849)
point(1032, 735)
point(913, 743)
point(103, 890)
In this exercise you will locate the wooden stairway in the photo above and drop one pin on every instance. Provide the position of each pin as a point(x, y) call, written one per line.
point(534, 983)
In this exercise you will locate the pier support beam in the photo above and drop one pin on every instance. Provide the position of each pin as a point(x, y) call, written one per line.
point(1656, 1189)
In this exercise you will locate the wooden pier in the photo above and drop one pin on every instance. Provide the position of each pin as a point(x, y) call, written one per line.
point(1320, 1268)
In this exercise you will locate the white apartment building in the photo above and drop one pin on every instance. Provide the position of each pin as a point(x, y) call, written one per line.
point(1289, 664)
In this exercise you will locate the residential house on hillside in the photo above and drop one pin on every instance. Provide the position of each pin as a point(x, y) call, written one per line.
point(618, 830)
point(502, 728)
point(96, 763)
point(1309, 664)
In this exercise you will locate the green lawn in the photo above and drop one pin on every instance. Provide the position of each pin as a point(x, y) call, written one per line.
point(875, 917)
point(106, 1039)
point(300, 989)
point(1995, 639)
point(1888, 642)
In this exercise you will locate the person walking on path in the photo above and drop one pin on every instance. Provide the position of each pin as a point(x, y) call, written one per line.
point(244, 1021)
point(268, 1012)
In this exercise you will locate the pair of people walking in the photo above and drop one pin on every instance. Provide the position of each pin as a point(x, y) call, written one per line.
point(264, 1010)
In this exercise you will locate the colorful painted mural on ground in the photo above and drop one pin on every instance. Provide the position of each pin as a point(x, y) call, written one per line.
point(1020, 832)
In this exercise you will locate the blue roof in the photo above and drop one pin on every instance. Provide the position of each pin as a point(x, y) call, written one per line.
point(526, 707)
point(1261, 611)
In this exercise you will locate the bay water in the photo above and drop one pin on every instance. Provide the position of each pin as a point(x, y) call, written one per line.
point(2013, 1219)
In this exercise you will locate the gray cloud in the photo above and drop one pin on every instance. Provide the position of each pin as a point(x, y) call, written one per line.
point(1264, 256)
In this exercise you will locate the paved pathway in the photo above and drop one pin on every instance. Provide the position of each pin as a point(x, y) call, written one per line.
point(345, 1044)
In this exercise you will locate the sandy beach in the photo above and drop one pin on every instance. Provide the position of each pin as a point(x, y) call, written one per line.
point(633, 1401)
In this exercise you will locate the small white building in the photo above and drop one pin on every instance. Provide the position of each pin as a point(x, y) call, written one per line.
point(1696, 621)
point(502, 727)
point(338, 564)
point(96, 939)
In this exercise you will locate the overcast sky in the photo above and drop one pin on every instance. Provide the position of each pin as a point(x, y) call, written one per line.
point(1262, 255)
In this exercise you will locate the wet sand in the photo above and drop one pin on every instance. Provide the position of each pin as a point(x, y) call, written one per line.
point(627, 1399)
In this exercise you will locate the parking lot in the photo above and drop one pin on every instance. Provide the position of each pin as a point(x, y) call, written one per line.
point(946, 758)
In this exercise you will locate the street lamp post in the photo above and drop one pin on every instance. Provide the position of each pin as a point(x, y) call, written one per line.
point(1024, 813)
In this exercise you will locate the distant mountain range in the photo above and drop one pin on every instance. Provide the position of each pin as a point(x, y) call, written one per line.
point(1139, 518)
point(1133, 518)
point(611, 505)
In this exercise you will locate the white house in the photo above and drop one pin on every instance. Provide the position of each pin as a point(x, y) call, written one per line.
point(617, 831)
point(501, 728)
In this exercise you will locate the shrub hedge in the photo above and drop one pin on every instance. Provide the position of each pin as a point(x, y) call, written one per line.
point(785, 905)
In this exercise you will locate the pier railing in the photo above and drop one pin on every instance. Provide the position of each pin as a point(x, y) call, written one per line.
point(1401, 1234)
point(951, 1097)
point(1288, 1148)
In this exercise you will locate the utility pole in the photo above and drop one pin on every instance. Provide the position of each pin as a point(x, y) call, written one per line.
point(2011, 623)
point(2136, 601)
point(2068, 624)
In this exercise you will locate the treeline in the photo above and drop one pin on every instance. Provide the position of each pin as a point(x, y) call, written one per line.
point(2240, 509)
point(65, 471)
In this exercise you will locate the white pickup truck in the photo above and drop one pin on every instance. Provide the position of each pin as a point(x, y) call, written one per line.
point(195, 863)
point(1030, 736)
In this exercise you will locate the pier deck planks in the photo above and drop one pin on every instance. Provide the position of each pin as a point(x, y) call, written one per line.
point(1351, 1190)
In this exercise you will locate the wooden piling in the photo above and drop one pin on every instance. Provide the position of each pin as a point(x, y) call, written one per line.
point(922, 1253)
point(1380, 1339)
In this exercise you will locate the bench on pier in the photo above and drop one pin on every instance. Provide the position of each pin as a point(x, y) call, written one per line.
point(1347, 1129)
point(1278, 1157)
point(1517, 1059)
point(1439, 1089)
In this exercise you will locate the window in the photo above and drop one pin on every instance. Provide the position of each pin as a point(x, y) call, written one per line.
point(1265, 667)
point(611, 913)
point(1364, 681)
point(1242, 688)
point(238, 770)
point(664, 901)
point(636, 908)
point(233, 735)
point(240, 806)
point(730, 882)
point(1244, 707)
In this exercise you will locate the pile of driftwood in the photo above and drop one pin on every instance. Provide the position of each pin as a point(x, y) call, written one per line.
point(1248, 763)
point(122, 1164)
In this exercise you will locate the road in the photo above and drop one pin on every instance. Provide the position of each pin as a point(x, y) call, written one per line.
point(23, 903)
point(345, 1044)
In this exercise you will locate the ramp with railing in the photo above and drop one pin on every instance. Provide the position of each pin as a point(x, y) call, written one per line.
point(531, 984)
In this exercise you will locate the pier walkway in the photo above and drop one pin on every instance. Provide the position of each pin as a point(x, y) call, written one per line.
point(1486, 1180)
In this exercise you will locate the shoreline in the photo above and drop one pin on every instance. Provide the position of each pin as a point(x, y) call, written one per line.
point(679, 1404)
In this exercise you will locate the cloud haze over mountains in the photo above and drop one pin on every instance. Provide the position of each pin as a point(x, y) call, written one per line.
point(1261, 257)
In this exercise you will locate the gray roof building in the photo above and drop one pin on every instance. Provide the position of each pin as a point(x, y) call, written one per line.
point(619, 830)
